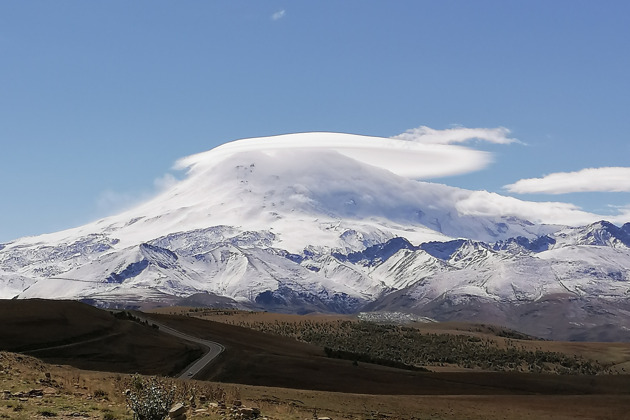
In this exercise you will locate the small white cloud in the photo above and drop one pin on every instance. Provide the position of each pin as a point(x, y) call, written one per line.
point(111, 202)
point(623, 214)
point(165, 182)
point(607, 179)
point(278, 15)
point(429, 135)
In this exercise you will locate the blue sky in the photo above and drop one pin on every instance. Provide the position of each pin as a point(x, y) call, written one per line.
point(99, 99)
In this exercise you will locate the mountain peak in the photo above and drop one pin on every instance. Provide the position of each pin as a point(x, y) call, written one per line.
point(601, 233)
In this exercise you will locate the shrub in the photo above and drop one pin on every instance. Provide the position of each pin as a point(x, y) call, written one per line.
point(99, 393)
point(149, 398)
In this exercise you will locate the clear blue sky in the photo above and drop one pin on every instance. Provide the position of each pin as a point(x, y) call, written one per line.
point(98, 99)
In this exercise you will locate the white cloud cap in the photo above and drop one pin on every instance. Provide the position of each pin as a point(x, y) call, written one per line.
point(409, 159)
point(429, 135)
point(607, 179)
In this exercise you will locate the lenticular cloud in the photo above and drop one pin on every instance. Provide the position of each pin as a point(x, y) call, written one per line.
point(429, 135)
point(411, 159)
point(609, 179)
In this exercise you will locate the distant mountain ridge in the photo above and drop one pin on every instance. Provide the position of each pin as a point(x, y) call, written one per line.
point(314, 230)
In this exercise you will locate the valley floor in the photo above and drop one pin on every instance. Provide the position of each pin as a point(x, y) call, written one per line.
point(285, 379)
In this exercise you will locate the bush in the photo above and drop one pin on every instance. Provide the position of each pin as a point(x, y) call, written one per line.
point(99, 393)
point(149, 398)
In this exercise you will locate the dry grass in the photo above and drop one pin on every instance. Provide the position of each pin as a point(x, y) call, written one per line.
point(65, 391)
point(32, 389)
point(296, 404)
point(98, 395)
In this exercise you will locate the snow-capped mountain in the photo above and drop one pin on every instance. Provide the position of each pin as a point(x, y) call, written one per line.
point(302, 229)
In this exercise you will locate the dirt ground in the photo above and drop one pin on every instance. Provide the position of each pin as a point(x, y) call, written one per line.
point(298, 404)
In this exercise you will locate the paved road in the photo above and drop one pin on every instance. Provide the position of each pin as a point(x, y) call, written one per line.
point(214, 349)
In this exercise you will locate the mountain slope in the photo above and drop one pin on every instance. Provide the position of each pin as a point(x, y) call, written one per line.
point(314, 229)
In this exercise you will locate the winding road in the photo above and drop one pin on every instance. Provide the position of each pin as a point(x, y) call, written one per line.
point(214, 348)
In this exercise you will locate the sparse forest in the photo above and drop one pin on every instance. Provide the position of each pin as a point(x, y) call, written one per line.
point(407, 347)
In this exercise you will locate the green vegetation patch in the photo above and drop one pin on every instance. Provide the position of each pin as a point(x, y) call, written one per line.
point(407, 347)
